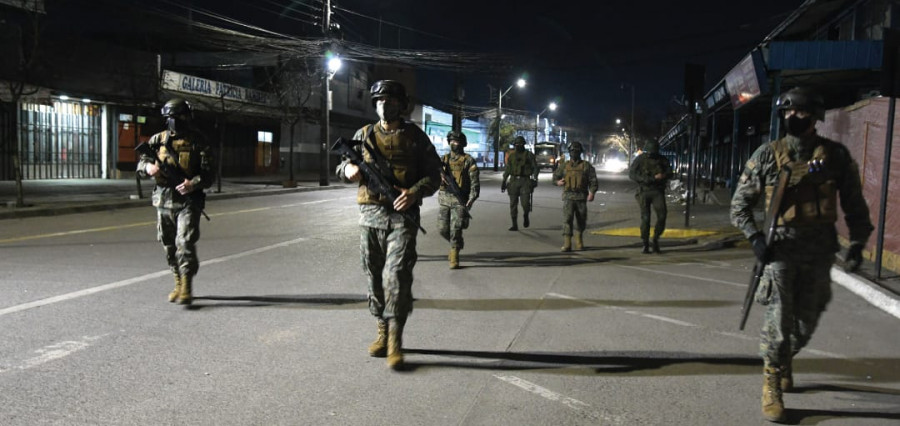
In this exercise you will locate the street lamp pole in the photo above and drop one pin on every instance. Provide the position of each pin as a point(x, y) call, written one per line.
point(631, 134)
point(520, 83)
point(537, 121)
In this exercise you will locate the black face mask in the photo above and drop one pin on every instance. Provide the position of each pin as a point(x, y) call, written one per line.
point(456, 148)
point(171, 125)
point(797, 126)
point(576, 155)
point(520, 148)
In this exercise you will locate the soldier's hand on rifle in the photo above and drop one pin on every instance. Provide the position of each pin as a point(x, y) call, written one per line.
point(351, 171)
point(534, 183)
point(185, 187)
point(659, 176)
point(469, 204)
point(854, 257)
point(405, 200)
point(590, 196)
point(152, 169)
point(758, 242)
point(503, 186)
point(561, 182)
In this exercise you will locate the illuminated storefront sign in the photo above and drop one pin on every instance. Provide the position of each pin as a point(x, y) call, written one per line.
point(200, 86)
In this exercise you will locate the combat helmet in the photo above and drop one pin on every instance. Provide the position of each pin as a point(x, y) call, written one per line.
point(177, 107)
point(651, 146)
point(802, 98)
point(460, 137)
point(392, 88)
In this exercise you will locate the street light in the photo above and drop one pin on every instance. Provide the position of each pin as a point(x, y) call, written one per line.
point(537, 121)
point(333, 64)
point(521, 84)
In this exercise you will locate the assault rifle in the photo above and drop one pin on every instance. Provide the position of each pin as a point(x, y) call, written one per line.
point(454, 189)
point(784, 177)
point(174, 175)
point(375, 177)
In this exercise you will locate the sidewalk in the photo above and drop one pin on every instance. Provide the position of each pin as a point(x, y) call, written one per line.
point(59, 197)
point(65, 196)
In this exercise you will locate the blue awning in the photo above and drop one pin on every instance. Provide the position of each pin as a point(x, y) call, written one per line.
point(820, 55)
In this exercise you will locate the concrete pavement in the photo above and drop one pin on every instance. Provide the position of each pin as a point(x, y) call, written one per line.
point(59, 197)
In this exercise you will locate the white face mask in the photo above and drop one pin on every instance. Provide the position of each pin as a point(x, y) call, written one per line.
point(387, 111)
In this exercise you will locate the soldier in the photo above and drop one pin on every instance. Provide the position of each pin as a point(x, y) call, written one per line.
point(795, 285)
point(179, 203)
point(453, 216)
point(522, 172)
point(651, 171)
point(388, 240)
point(579, 180)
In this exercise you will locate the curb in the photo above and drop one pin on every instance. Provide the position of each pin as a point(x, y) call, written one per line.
point(50, 210)
point(869, 291)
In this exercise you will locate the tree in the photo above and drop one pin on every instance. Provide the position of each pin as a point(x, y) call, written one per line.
point(20, 53)
point(293, 82)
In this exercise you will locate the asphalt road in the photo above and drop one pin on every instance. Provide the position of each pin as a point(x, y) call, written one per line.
point(522, 334)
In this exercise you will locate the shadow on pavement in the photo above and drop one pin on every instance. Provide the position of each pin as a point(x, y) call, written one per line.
point(276, 300)
point(489, 305)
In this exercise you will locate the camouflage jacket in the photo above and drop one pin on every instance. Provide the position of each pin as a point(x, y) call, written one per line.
point(762, 170)
point(423, 178)
point(188, 152)
point(521, 164)
point(467, 178)
point(646, 166)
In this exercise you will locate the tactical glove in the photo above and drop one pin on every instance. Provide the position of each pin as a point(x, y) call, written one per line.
point(854, 257)
point(534, 183)
point(758, 242)
point(503, 187)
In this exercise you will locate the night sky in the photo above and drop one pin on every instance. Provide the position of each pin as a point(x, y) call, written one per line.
point(578, 53)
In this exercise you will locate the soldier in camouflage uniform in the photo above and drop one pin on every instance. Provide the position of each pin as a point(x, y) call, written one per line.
point(179, 204)
point(387, 239)
point(796, 283)
point(522, 173)
point(453, 217)
point(651, 171)
point(579, 179)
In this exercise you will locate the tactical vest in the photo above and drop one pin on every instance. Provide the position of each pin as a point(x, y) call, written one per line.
point(811, 195)
point(519, 165)
point(398, 150)
point(574, 177)
point(457, 169)
point(183, 154)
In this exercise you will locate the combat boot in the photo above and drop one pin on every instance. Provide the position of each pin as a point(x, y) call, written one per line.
point(395, 344)
point(525, 221)
point(378, 348)
point(567, 243)
point(772, 404)
point(454, 258)
point(174, 293)
point(515, 225)
point(787, 378)
point(184, 296)
point(655, 245)
point(646, 249)
point(579, 243)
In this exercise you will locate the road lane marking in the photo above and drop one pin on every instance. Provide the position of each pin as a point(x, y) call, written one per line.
point(557, 397)
point(54, 352)
point(672, 274)
point(135, 280)
point(134, 225)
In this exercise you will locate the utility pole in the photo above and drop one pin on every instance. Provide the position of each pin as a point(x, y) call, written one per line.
point(326, 89)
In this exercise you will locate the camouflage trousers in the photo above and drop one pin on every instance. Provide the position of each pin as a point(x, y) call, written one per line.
point(574, 212)
point(452, 220)
point(647, 198)
point(519, 190)
point(795, 288)
point(388, 258)
point(178, 229)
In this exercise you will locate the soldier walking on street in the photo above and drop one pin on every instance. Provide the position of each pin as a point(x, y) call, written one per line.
point(522, 173)
point(651, 171)
point(579, 180)
point(453, 215)
point(408, 160)
point(796, 284)
point(182, 164)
